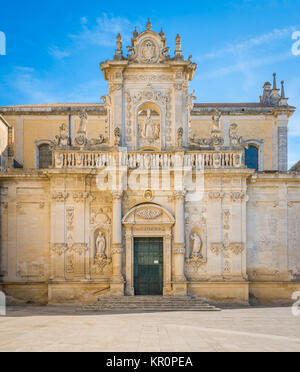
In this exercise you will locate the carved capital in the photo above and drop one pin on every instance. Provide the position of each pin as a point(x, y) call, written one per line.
point(217, 195)
point(235, 196)
point(117, 194)
point(60, 196)
point(80, 197)
point(59, 248)
point(79, 248)
point(179, 195)
point(236, 248)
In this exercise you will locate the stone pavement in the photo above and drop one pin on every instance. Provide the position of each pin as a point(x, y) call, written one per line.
point(234, 330)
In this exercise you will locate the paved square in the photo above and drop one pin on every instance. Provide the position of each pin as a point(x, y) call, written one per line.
point(233, 330)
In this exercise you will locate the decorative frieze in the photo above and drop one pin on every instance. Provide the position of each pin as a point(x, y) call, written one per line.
point(217, 195)
point(60, 196)
point(149, 213)
point(225, 247)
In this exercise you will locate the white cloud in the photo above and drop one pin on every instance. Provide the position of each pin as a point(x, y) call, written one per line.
point(247, 65)
point(57, 53)
point(29, 87)
point(102, 33)
point(245, 46)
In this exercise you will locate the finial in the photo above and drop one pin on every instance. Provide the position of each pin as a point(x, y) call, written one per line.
point(135, 33)
point(178, 42)
point(149, 25)
point(282, 90)
point(162, 34)
point(119, 52)
point(274, 81)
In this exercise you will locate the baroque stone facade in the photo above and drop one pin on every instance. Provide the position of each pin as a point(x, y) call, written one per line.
point(149, 163)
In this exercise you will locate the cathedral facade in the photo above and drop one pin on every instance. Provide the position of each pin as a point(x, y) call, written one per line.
point(149, 192)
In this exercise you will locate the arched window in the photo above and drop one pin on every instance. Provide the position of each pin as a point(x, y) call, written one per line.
point(45, 156)
point(251, 157)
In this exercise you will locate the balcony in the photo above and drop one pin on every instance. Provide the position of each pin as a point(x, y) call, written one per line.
point(78, 159)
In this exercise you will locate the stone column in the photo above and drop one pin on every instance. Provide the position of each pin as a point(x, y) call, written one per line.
point(282, 143)
point(117, 282)
point(179, 279)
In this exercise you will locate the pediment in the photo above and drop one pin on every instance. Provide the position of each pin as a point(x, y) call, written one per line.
point(150, 214)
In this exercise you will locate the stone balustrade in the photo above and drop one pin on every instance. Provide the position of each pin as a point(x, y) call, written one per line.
point(148, 160)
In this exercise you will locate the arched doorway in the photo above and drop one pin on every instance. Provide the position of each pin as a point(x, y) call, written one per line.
point(148, 234)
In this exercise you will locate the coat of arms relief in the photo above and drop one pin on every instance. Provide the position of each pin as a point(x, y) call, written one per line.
point(148, 51)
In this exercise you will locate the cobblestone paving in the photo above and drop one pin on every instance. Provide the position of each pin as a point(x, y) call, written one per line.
point(234, 330)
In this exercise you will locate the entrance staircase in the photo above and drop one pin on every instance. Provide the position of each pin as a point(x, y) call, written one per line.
point(150, 304)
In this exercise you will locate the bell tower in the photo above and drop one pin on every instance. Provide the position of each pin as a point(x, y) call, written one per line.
point(149, 104)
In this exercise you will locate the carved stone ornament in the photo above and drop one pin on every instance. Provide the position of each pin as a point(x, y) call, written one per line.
point(235, 196)
point(79, 248)
point(81, 138)
point(101, 262)
point(235, 248)
point(148, 51)
point(149, 213)
point(63, 139)
point(179, 251)
point(116, 251)
point(117, 134)
point(217, 195)
point(59, 248)
point(60, 196)
point(80, 197)
point(196, 261)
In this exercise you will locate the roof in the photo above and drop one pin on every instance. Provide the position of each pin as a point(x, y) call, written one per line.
point(99, 108)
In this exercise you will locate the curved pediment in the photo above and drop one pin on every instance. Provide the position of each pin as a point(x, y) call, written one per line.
point(152, 214)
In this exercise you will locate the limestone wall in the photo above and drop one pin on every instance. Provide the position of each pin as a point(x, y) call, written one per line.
point(32, 130)
point(273, 233)
point(261, 129)
point(3, 144)
point(249, 227)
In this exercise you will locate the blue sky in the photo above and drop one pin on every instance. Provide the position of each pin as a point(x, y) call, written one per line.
point(54, 48)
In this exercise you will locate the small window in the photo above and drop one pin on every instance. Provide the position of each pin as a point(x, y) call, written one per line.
point(251, 157)
point(45, 156)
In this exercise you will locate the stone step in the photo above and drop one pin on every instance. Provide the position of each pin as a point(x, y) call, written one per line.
point(149, 303)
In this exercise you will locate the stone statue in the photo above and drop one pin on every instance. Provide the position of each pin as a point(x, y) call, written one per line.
point(63, 138)
point(100, 245)
point(197, 245)
point(235, 139)
point(117, 134)
point(216, 121)
point(81, 138)
point(149, 130)
point(180, 138)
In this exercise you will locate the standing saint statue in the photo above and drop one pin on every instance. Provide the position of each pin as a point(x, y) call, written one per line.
point(100, 245)
point(150, 131)
point(197, 245)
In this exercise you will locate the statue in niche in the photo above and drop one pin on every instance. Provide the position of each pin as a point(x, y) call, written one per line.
point(149, 130)
point(117, 134)
point(100, 245)
point(180, 138)
point(197, 245)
